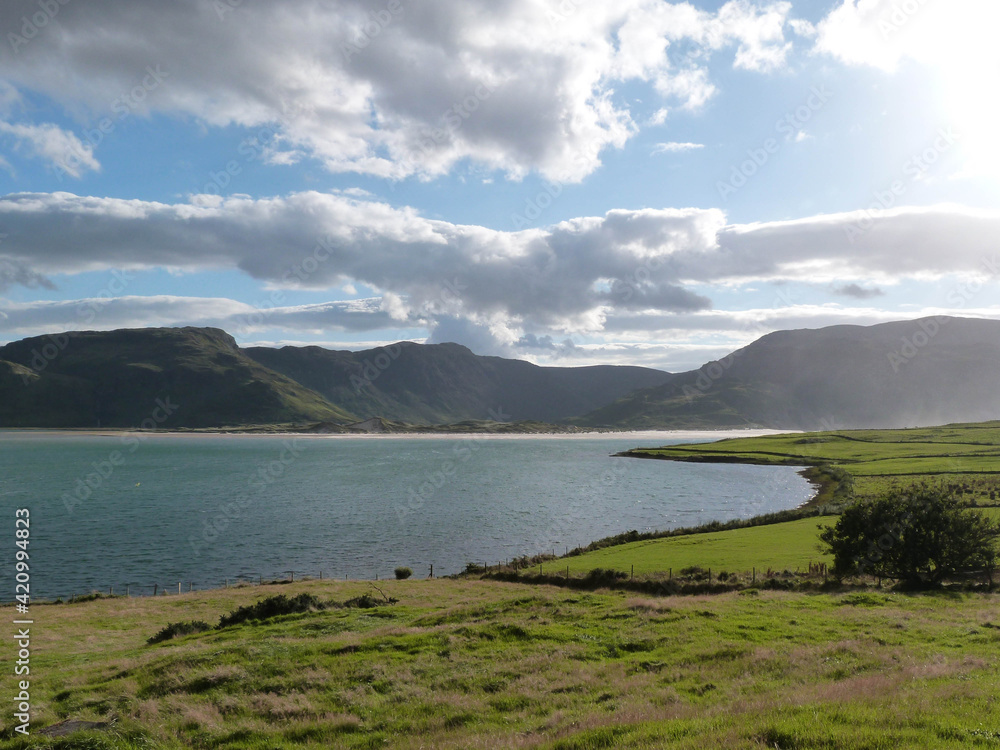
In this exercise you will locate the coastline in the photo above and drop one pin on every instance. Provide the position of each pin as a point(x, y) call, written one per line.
point(705, 435)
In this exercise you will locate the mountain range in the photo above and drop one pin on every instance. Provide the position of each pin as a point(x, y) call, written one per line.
point(920, 372)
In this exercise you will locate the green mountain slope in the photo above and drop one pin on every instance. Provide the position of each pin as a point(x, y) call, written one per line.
point(921, 372)
point(444, 383)
point(192, 377)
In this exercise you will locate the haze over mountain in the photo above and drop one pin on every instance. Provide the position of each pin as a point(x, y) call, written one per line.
point(920, 372)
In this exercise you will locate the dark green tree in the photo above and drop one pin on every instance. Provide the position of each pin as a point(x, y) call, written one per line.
point(919, 537)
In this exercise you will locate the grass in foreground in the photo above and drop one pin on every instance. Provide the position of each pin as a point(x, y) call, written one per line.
point(477, 664)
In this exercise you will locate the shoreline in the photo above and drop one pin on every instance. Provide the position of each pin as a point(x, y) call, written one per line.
point(430, 434)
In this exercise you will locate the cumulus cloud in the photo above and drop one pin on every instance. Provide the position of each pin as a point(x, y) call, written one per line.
point(60, 148)
point(560, 276)
point(568, 277)
point(397, 88)
point(882, 33)
point(241, 319)
point(857, 291)
point(674, 147)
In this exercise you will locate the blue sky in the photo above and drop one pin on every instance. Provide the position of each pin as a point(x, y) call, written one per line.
point(652, 183)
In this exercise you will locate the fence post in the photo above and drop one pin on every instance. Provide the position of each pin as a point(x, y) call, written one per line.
point(154, 589)
point(178, 588)
point(128, 591)
point(631, 575)
point(754, 574)
point(432, 570)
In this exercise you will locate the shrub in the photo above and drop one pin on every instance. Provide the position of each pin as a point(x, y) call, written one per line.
point(919, 539)
point(273, 606)
point(175, 629)
point(605, 575)
point(402, 573)
point(367, 601)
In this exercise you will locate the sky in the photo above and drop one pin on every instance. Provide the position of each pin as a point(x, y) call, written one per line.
point(571, 182)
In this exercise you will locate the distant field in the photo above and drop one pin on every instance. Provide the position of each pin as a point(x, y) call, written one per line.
point(783, 546)
point(479, 664)
point(966, 455)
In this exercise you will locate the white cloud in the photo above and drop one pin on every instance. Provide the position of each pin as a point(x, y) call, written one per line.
point(62, 149)
point(953, 42)
point(674, 147)
point(516, 86)
point(568, 277)
point(635, 273)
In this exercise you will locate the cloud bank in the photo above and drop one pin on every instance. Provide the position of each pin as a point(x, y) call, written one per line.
point(393, 88)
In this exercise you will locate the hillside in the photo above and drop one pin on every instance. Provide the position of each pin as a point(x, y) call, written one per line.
point(444, 383)
point(194, 377)
point(921, 372)
point(113, 379)
point(473, 664)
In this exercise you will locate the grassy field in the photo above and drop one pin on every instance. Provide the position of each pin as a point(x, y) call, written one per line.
point(479, 664)
point(965, 455)
point(784, 546)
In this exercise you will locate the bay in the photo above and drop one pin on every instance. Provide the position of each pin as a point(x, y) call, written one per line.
point(138, 509)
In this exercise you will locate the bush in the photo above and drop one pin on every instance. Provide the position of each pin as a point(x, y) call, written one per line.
point(919, 539)
point(402, 573)
point(605, 575)
point(367, 601)
point(273, 606)
point(175, 629)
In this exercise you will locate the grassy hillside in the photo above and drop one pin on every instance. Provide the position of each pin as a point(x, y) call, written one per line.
point(965, 456)
point(477, 664)
point(852, 376)
point(784, 546)
point(119, 378)
point(446, 383)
